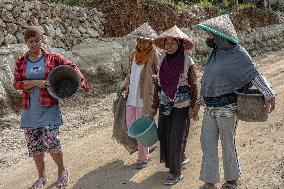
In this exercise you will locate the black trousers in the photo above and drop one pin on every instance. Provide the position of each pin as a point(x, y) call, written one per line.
point(171, 132)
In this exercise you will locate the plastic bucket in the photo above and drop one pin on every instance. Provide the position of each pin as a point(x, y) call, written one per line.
point(64, 82)
point(250, 106)
point(144, 130)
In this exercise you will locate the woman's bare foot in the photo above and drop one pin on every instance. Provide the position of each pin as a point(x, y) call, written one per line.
point(209, 186)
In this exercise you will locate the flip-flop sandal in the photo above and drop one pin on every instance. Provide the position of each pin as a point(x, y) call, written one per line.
point(39, 184)
point(184, 162)
point(152, 149)
point(229, 186)
point(141, 165)
point(63, 180)
point(171, 181)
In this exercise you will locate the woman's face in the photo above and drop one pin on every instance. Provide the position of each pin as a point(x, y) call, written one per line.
point(171, 45)
point(34, 44)
point(143, 44)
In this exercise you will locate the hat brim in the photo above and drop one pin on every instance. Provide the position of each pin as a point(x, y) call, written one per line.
point(217, 32)
point(160, 42)
point(146, 38)
point(139, 36)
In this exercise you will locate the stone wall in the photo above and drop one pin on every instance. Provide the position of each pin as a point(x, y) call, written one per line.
point(63, 26)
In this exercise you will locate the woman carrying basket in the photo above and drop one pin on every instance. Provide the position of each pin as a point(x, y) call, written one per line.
point(40, 115)
point(229, 68)
point(175, 95)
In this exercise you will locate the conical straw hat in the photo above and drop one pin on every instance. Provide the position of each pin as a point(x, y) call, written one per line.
point(174, 32)
point(143, 31)
point(221, 26)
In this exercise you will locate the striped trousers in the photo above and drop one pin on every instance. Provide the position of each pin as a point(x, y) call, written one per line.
point(212, 128)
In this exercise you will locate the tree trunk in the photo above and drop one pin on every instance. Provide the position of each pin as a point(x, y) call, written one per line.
point(235, 5)
point(267, 5)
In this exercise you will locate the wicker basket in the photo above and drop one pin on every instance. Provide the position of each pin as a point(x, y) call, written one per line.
point(251, 107)
point(64, 82)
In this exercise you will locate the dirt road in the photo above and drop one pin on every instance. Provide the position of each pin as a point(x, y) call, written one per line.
point(95, 161)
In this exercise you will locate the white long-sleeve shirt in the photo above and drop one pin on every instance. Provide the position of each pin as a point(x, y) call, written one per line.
point(134, 87)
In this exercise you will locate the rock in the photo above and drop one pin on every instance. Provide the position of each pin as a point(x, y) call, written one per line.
point(100, 14)
point(7, 16)
point(102, 59)
point(69, 30)
point(9, 6)
point(75, 8)
point(34, 21)
point(2, 4)
point(27, 7)
point(16, 11)
point(3, 100)
point(21, 30)
point(72, 15)
point(96, 19)
point(63, 30)
point(44, 7)
point(75, 23)
point(57, 42)
point(82, 16)
point(41, 29)
point(2, 36)
point(92, 32)
point(67, 23)
point(7, 65)
point(11, 28)
point(63, 14)
point(82, 30)
point(20, 38)
point(36, 7)
point(10, 39)
point(58, 32)
point(95, 25)
point(47, 40)
point(86, 25)
point(76, 33)
point(49, 30)
point(2, 24)
point(26, 16)
point(9, 1)
point(85, 36)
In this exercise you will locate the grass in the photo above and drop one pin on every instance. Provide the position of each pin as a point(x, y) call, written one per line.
point(72, 2)
point(246, 6)
point(206, 4)
point(182, 6)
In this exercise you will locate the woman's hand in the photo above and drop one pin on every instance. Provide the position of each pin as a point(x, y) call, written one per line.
point(193, 112)
point(42, 83)
point(28, 84)
point(152, 114)
point(155, 79)
point(120, 91)
point(270, 103)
